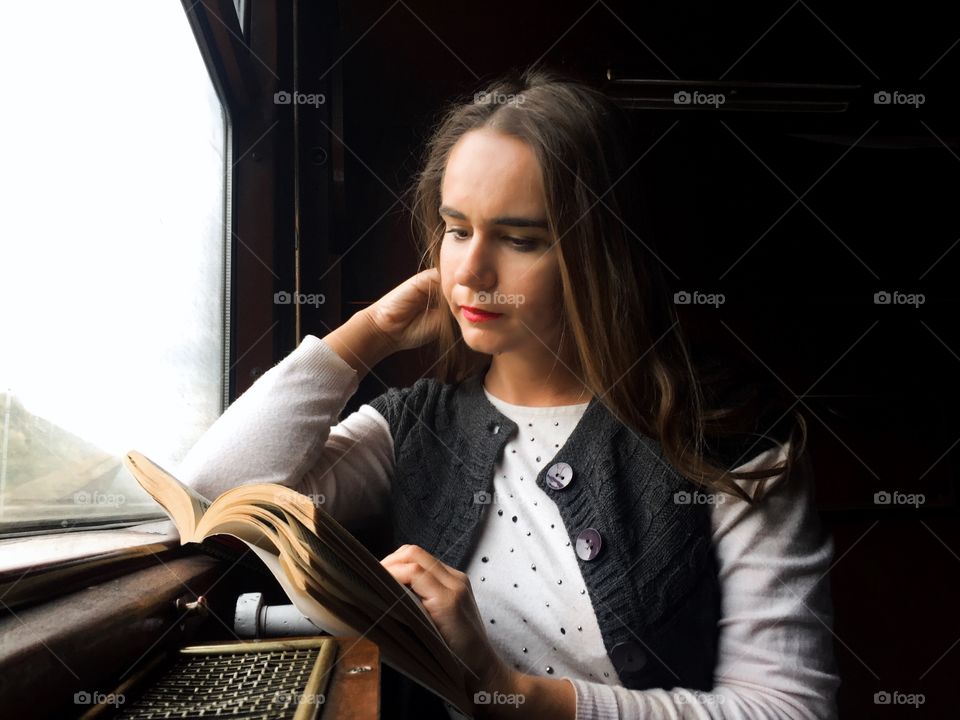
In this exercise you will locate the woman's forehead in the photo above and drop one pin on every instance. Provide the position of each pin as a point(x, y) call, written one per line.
point(489, 173)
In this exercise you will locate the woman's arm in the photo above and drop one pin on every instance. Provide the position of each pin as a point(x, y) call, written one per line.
point(776, 650)
point(280, 430)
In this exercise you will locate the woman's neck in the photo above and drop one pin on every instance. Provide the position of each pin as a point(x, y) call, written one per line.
point(531, 384)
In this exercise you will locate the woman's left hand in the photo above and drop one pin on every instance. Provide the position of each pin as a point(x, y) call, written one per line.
point(446, 594)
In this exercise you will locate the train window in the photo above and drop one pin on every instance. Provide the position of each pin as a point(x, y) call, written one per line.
point(113, 257)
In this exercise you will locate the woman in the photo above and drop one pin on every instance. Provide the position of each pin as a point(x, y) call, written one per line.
point(574, 509)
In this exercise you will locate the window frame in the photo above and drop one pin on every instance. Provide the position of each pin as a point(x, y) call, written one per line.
point(246, 59)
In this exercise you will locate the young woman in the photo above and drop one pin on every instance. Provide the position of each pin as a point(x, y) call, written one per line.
point(591, 531)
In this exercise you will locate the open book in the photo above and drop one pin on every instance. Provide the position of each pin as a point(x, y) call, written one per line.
point(328, 574)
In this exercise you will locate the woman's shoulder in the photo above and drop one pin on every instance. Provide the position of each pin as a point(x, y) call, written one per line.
point(790, 483)
point(395, 400)
point(428, 399)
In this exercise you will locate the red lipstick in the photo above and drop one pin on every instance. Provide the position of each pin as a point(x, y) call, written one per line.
point(477, 315)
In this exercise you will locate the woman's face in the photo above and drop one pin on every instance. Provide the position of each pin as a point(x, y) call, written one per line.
point(497, 254)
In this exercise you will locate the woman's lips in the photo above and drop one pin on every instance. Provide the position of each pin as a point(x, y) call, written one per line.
point(476, 315)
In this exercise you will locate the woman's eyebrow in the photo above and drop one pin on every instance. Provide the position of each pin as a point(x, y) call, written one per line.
point(509, 221)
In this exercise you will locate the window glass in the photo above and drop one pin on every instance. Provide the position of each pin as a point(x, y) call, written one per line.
point(112, 255)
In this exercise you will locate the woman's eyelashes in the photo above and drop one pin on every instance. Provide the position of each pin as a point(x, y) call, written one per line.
point(521, 244)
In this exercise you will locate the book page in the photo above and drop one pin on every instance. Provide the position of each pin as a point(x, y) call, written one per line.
point(396, 655)
point(183, 504)
point(349, 558)
point(309, 607)
point(320, 525)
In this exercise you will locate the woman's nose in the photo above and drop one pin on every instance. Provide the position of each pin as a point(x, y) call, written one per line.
point(475, 268)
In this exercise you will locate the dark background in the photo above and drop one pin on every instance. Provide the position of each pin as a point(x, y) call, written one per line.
point(877, 188)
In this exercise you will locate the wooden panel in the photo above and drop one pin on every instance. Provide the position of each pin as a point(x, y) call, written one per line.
point(354, 695)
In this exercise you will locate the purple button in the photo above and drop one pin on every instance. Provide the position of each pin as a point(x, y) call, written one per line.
point(588, 544)
point(628, 657)
point(559, 476)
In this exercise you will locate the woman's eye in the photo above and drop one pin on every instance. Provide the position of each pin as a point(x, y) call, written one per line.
point(522, 244)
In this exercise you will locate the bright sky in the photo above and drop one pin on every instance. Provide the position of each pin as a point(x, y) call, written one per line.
point(111, 234)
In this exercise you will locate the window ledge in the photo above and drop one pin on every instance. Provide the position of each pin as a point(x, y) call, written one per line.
point(36, 568)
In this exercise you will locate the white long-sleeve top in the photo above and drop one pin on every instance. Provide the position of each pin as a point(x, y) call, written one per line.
point(775, 654)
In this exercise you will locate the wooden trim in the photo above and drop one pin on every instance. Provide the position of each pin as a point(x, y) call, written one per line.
point(92, 639)
point(220, 38)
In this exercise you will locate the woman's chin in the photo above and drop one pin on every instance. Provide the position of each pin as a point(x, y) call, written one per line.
point(482, 340)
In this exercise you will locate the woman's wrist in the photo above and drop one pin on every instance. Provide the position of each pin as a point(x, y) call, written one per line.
point(527, 696)
point(500, 695)
point(360, 343)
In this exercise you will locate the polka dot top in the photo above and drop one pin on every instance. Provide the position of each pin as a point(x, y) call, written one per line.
point(524, 570)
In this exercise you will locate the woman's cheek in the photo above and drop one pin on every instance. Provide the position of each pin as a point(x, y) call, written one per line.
point(540, 310)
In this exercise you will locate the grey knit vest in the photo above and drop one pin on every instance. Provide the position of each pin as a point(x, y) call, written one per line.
point(653, 585)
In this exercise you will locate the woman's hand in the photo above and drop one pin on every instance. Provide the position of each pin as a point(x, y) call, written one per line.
point(446, 594)
point(410, 315)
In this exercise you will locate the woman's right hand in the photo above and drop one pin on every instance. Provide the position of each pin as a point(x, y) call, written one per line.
point(411, 314)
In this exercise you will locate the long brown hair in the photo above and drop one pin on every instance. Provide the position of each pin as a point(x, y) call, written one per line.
point(627, 345)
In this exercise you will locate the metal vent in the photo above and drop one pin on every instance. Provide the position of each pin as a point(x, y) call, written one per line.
point(269, 680)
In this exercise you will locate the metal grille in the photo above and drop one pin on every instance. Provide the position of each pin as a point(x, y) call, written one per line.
point(247, 683)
